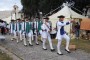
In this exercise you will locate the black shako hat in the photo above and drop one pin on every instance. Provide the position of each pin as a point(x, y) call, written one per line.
point(61, 16)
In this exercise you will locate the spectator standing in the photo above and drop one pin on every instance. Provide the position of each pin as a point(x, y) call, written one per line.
point(3, 25)
point(77, 30)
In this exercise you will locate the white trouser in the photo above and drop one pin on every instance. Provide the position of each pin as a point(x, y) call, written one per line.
point(19, 35)
point(24, 38)
point(13, 34)
point(50, 41)
point(66, 37)
point(36, 37)
point(32, 37)
point(44, 42)
point(40, 34)
point(30, 34)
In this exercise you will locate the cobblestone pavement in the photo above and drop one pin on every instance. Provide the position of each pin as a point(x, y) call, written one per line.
point(37, 53)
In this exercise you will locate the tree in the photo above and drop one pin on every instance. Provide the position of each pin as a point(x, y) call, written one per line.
point(31, 8)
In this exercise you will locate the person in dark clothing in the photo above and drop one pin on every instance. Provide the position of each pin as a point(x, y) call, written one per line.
point(2, 28)
point(77, 30)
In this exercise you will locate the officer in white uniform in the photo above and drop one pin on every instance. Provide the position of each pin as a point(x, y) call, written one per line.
point(62, 34)
point(46, 34)
point(12, 30)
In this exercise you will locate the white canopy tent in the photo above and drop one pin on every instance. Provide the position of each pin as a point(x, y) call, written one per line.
point(67, 12)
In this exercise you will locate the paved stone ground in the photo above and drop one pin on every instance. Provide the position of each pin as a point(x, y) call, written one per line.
point(37, 53)
point(14, 57)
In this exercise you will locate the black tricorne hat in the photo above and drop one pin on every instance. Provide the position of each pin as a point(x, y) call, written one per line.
point(45, 18)
point(37, 17)
point(23, 20)
point(61, 16)
point(25, 17)
point(19, 19)
point(12, 20)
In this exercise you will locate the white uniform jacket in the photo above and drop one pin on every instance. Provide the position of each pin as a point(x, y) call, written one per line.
point(35, 26)
point(59, 27)
point(12, 28)
point(17, 27)
point(24, 29)
point(45, 30)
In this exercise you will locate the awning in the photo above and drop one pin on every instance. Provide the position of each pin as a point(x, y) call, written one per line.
point(85, 24)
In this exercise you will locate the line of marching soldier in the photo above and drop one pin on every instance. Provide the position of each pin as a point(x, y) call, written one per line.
point(26, 31)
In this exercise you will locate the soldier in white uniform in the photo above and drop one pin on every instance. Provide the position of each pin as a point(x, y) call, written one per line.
point(22, 28)
point(62, 34)
point(46, 34)
point(23, 32)
point(27, 32)
point(35, 27)
point(18, 30)
point(39, 24)
point(12, 30)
